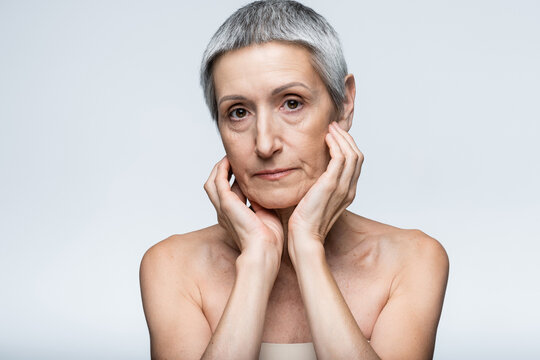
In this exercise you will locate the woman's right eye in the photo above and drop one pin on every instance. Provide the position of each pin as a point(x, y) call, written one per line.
point(238, 113)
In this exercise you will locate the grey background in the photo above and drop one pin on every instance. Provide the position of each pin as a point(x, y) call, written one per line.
point(105, 144)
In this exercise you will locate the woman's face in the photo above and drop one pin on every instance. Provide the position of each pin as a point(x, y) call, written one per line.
point(273, 115)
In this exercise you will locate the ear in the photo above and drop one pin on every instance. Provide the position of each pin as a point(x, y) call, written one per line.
point(346, 116)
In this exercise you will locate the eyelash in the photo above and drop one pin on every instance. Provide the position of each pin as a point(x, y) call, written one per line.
point(299, 105)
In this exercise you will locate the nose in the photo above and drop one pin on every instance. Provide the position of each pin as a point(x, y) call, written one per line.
point(267, 140)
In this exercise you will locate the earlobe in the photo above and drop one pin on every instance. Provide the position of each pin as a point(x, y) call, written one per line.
point(345, 120)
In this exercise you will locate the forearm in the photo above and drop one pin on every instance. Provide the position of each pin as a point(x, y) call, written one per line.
point(239, 332)
point(334, 329)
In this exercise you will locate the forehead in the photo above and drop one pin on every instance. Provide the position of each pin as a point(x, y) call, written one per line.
point(262, 67)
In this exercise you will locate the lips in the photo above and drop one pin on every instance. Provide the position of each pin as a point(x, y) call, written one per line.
point(273, 174)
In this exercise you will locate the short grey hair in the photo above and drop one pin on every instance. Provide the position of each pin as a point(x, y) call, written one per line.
point(278, 20)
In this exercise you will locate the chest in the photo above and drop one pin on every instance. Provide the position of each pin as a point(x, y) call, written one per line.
point(286, 318)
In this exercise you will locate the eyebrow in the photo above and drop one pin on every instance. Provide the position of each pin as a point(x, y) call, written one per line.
point(274, 92)
point(231, 97)
point(286, 86)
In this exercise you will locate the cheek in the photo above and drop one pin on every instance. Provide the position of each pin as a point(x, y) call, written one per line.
point(240, 173)
point(319, 166)
point(317, 154)
point(237, 164)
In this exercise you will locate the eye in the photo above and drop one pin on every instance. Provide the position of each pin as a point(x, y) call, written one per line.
point(292, 104)
point(238, 113)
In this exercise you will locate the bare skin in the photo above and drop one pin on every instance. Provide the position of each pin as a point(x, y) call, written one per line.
point(308, 270)
point(364, 265)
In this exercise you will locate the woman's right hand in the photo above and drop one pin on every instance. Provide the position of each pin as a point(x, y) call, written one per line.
point(254, 231)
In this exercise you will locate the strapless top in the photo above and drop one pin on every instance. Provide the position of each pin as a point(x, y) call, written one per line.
point(298, 351)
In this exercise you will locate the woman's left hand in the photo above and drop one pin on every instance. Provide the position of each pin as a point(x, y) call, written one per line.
point(331, 194)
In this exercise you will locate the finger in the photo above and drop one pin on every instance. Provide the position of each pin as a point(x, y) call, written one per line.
point(351, 141)
point(354, 156)
point(213, 172)
point(210, 187)
point(337, 159)
point(348, 182)
point(221, 180)
point(351, 157)
point(229, 202)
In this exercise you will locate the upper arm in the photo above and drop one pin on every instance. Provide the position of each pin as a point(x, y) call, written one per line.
point(407, 325)
point(177, 325)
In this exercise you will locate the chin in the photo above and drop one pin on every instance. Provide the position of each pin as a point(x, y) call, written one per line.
point(278, 198)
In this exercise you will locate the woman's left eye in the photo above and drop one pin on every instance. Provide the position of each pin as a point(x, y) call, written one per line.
point(292, 104)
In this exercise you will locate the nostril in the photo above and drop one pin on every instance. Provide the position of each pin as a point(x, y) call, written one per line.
point(267, 147)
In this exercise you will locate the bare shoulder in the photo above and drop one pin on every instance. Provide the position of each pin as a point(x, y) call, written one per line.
point(415, 246)
point(170, 274)
point(178, 245)
point(422, 253)
point(178, 259)
point(408, 247)
point(418, 260)
point(417, 265)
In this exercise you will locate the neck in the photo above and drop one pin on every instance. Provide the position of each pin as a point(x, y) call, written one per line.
point(284, 216)
point(338, 240)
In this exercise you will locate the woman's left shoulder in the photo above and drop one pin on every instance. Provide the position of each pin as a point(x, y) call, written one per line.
point(406, 248)
point(416, 244)
point(428, 249)
point(419, 254)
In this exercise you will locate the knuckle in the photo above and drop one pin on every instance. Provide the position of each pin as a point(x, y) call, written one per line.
point(342, 192)
point(221, 165)
point(330, 185)
point(335, 188)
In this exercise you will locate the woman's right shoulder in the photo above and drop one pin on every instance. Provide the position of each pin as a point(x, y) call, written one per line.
point(190, 251)
point(172, 273)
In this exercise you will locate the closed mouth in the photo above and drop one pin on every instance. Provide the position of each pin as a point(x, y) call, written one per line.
point(273, 174)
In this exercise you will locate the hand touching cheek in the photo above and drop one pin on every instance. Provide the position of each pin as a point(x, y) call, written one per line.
point(331, 194)
point(256, 232)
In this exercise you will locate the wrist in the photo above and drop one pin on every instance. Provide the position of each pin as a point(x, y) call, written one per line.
point(302, 249)
point(266, 261)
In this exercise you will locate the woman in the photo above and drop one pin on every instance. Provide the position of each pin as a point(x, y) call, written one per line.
point(294, 267)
